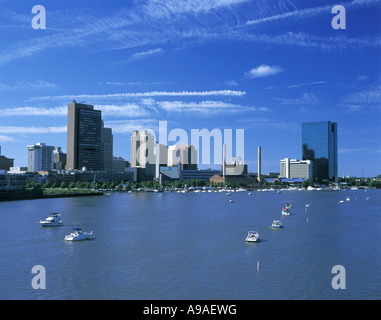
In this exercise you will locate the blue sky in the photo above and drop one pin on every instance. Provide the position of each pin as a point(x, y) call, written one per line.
point(264, 66)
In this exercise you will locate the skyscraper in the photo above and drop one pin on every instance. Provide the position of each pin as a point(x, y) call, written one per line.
point(319, 144)
point(84, 131)
point(40, 157)
point(142, 149)
point(107, 149)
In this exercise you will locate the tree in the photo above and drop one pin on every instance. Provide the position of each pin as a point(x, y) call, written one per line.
point(63, 185)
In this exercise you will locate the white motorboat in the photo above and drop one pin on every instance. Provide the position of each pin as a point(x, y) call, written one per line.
point(78, 235)
point(308, 205)
point(348, 199)
point(285, 212)
point(54, 220)
point(252, 236)
point(231, 200)
point(276, 224)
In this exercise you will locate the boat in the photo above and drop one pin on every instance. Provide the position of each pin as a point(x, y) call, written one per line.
point(285, 212)
point(78, 235)
point(308, 205)
point(276, 224)
point(252, 236)
point(288, 205)
point(54, 220)
point(231, 200)
point(348, 199)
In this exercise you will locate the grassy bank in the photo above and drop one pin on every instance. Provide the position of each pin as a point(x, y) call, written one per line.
point(47, 194)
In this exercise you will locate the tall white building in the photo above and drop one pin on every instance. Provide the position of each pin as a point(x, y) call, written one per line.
point(142, 149)
point(292, 168)
point(40, 157)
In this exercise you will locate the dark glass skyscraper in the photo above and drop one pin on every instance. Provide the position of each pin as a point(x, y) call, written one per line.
point(84, 145)
point(319, 144)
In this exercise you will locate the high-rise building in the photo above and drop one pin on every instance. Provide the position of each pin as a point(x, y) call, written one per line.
point(142, 149)
point(59, 159)
point(319, 144)
point(107, 149)
point(84, 134)
point(40, 157)
point(292, 168)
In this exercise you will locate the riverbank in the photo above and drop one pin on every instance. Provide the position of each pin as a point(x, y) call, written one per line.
point(47, 194)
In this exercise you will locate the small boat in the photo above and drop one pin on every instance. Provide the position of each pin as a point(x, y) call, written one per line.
point(54, 220)
point(285, 212)
point(231, 200)
point(78, 235)
point(252, 236)
point(348, 199)
point(308, 205)
point(288, 205)
point(276, 224)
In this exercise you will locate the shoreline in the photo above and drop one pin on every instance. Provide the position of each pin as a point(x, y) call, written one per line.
point(46, 194)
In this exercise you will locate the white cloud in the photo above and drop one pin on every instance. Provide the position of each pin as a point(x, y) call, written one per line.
point(127, 126)
point(38, 84)
point(232, 93)
point(306, 98)
point(263, 71)
point(6, 138)
point(34, 111)
point(309, 12)
point(26, 130)
point(206, 107)
point(145, 54)
point(307, 84)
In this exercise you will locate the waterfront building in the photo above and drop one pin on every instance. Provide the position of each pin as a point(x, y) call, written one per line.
point(59, 159)
point(40, 157)
point(107, 141)
point(292, 168)
point(142, 149)
point(84, 137)
point(118, 164)
point(5, 163)
point(319, 144)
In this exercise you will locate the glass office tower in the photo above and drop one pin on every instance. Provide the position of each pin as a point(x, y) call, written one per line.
point(319, 144)
point(84, 127)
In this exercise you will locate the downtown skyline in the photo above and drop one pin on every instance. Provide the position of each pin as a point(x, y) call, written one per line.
point(262, 66)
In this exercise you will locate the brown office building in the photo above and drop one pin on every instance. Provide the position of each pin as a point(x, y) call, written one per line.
point(84, 131)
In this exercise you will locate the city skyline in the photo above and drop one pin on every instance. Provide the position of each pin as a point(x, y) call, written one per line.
point(265, 67)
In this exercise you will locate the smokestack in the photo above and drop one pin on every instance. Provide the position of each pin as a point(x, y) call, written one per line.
point(224, 161)
point(259, 164)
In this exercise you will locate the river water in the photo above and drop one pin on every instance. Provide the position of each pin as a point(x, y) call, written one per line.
point(192, 246)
